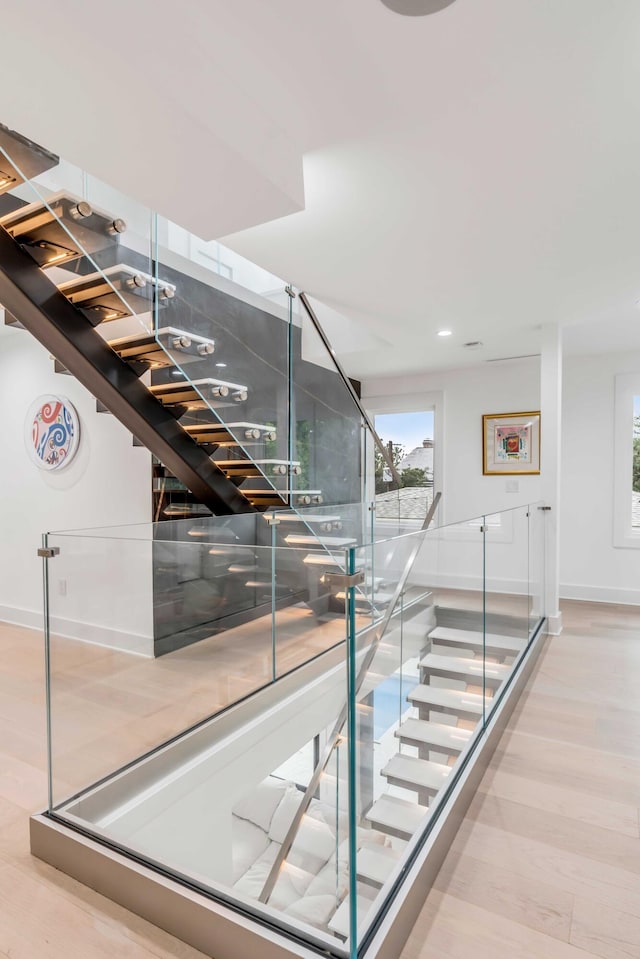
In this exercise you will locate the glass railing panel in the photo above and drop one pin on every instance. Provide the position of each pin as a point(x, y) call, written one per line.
point(326, 421)
point(507, 596)
point(421, 706)
point(308, 616)
point(218, 352)
point(81, 233)
point(537, 530)
point(324, 798)
point(313, 880)
point(153, 634)
point(237, 361)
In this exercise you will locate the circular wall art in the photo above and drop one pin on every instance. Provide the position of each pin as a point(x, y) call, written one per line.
point(52, 432)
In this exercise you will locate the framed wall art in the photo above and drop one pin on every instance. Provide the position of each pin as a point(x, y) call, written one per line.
point(510, 443)
point(52, 432)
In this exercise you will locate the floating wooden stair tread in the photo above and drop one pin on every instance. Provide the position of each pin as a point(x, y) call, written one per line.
point(376, 863)
point(469, 670)
point(323, 559)
point(438, 736)
point(333, 542)
point(115, 292)
point(419, 774)
point(380, 598)
point(186, 509)
point(396, 817)
point(250, 467)
point(151, 348)
point(191, 393)
point(39, 228)
point(230, 434)
point(239, 467)
point(447, 700)
point(27, 159)
point(262, 497)
point(470, 639)
point(288, 516)
point(240, 568)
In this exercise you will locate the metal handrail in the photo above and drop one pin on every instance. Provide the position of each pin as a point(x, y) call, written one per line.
point(336, 733)
point(347, 382)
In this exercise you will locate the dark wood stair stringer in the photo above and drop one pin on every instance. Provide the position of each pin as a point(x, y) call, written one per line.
point(27, 293)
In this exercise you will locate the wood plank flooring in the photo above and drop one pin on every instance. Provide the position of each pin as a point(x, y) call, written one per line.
point(546, 864)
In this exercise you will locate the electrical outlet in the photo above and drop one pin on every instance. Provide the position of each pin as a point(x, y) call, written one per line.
point(62, 587)
point(512, 486)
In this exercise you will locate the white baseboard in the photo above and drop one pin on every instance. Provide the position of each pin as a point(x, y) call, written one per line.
point(134, 643)
point(600, 594)
point(554, 624)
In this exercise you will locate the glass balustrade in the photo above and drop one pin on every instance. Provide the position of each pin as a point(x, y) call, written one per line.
point(293, 765)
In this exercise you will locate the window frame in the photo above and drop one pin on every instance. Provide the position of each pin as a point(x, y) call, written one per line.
point(411, 403)
point(625, 535)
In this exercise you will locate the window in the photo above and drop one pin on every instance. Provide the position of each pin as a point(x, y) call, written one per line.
point(635, 469)
point(626, 480)
point(408, 438)
point(409, 426)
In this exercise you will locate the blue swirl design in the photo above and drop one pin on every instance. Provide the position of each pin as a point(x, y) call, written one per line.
point(52, 445)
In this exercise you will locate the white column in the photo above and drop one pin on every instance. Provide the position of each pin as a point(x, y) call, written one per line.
point(550, 434)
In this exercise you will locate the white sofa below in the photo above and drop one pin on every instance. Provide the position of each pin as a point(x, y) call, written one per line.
point(313, 882)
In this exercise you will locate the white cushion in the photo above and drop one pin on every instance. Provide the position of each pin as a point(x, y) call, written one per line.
point(313, 846)
point(259, 806)
point(248, 843)
point(252, 882)
point(315, 910)
point(331, 882)
point(283, 816)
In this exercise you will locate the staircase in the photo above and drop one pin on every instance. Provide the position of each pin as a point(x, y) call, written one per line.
point(443, 679)
point(149, 337)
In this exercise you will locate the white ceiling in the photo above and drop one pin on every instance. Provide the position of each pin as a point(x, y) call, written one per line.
point(476, 169)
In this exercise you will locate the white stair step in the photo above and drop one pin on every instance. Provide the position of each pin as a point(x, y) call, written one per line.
point(470, 670)
point(471, 639)
point(376, 863)
point(413, 773)
point(447, 700)
point(448, 739)
point(334, 542)
point(342, 918)
point(396, 817)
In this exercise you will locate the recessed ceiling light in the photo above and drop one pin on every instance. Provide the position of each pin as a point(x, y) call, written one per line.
point(416, 8)
point(444, 332)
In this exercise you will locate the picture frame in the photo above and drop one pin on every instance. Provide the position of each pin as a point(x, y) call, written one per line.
point(511, 444)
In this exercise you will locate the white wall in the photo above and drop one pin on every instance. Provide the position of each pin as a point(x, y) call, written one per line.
point(454, 557)
point(590, 566)
point(466, 394)
point(108, 596)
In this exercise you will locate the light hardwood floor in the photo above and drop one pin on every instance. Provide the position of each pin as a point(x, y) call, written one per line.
point(547, 863)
